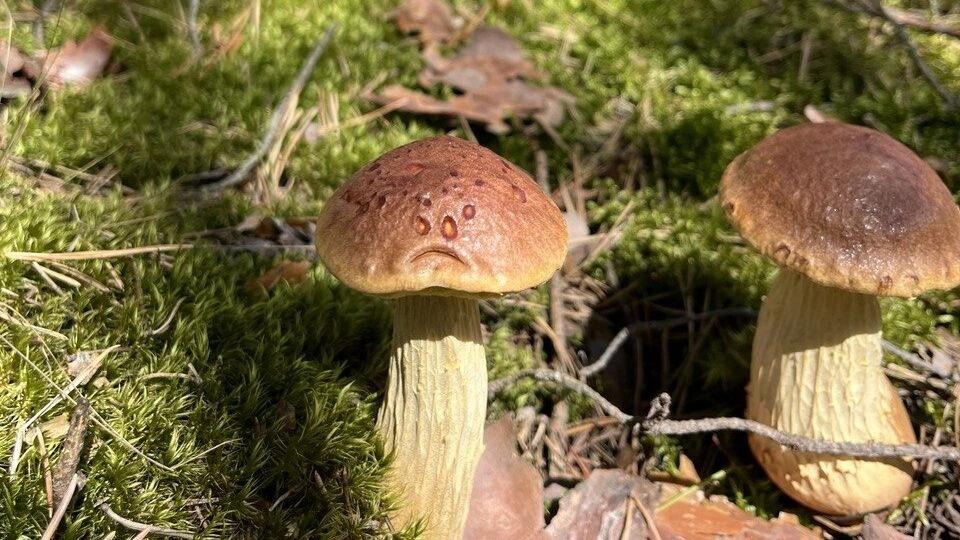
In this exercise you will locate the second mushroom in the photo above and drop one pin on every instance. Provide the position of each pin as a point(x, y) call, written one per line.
point(849, 214)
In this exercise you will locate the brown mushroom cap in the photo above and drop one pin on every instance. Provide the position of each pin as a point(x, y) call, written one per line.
point(848, 207)
point(441, 213)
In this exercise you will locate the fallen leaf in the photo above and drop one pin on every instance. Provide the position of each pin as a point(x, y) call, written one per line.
point(696, 517)
point(597, 508)
point(292, 272)
point(490, 57)
point(78, 64)
point(52, 429)
point(16, 69)
point(875, 529)
point(492, 74)
point(14, 86)
point(507, 497)
point(431, 20)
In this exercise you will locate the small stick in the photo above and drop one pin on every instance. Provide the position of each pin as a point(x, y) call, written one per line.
point(651, 524)
point(656, 424)
point(61, 508)
point(93, 255)
point(140, 527)
point(276, 118)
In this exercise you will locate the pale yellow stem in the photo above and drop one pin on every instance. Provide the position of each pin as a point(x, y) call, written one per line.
point(817, 372)
point(434, 409)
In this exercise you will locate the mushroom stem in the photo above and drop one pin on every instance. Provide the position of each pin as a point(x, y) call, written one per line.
point(817, 372)
point(433, 414)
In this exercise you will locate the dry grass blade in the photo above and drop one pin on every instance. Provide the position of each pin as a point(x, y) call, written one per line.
point(94, 255)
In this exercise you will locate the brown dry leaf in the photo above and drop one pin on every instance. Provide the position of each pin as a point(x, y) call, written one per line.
point(875, 529)
point(492, 72)
point(78, 64)
point(293, 272)
point(490, 56)
point(696, 518)
point(597, 507)
point(507, 498)
point(431, 20)
point(16, 70)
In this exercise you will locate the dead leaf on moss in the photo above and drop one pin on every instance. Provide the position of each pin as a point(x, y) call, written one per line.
point(492, 72)
point(696, 517)
point(431, 20)
point(490, 57)
point(292, 272)
point(16, 70)
point(77, 64)
point(507, 497)
point(597, 508)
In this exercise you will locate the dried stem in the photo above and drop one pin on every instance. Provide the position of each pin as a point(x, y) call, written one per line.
point(655, 423)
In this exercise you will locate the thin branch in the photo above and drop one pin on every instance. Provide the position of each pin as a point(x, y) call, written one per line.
point(137, 526)
point(655, 423)
point(916, 362)
point(875, 8)
point(61, 508)
point(624, 333)
point(549, 375)
point(93, 255)
point(279, 113)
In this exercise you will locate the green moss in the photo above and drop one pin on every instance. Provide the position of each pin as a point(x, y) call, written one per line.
point(287, 381)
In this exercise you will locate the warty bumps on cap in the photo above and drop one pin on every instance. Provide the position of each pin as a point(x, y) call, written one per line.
point(441, 215)
point(847, 206)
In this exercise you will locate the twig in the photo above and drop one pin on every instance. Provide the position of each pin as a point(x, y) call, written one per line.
point(625, 332)
point(875, 8)
point(167, 322)
point(276, 118)
point(916, 361)
point(549, 375)
point(93, 255)
point(654, 533)
point(140, 527)
point(656, 424)
point(61, 508)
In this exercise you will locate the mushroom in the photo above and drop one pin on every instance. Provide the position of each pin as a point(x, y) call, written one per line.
point(849, 214)
point(436, 225)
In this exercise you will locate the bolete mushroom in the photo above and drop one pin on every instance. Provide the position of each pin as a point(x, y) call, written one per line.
point(438, 224)
point(849, 214)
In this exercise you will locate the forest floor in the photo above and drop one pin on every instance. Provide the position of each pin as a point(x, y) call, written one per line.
point(173, 355)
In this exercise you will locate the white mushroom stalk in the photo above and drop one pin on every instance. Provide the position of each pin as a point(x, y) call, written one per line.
point(817, 372)
point(849, 214)
point(433, 414)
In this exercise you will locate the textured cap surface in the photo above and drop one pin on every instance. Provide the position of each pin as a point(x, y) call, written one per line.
point(441, 213)
point(848, 207)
